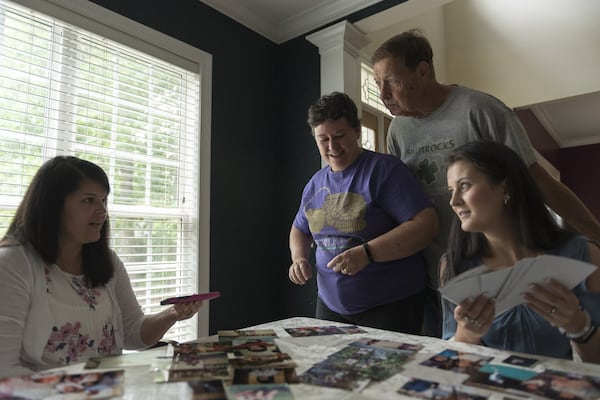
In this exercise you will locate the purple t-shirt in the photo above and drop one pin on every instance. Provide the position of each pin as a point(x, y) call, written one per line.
point(343, 209)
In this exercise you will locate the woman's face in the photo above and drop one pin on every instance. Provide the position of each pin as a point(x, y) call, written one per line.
point(84, 214)
point(338, 143)
point(477, 201)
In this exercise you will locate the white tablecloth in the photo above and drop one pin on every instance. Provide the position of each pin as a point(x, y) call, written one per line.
point(141, 368)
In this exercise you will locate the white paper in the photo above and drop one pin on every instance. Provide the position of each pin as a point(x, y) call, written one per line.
point(507, 285)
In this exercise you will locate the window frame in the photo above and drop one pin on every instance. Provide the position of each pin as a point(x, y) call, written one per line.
point(374, 118)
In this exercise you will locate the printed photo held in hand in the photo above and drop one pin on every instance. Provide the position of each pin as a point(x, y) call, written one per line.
point(506, 286)
point(543, 296)
point(190, 298)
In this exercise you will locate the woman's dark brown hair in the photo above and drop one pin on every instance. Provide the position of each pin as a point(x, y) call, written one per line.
point(38, 217)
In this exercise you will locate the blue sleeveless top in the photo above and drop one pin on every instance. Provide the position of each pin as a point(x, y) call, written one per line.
point(521, 329)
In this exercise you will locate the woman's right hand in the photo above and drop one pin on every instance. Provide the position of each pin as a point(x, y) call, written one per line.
point(300, 271)
point(474, 316)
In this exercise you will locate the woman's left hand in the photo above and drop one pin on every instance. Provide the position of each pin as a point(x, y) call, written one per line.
point(350, 262)
point(186, 310)
point(556, 304)
point(474, 316)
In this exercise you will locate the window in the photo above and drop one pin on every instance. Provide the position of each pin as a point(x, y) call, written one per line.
point(375, 117)
point(66, 90)
point(369, 93)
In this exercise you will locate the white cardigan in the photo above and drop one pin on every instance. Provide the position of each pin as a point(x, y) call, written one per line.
point(25, 319)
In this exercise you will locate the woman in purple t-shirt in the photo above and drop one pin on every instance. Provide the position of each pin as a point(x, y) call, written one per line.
point(369, 219)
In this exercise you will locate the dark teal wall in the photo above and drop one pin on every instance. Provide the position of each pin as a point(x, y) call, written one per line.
point(244, 155)
point(299, 85)
point(262, 153)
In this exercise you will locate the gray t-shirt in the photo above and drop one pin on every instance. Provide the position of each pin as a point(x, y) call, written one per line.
point(423, 144)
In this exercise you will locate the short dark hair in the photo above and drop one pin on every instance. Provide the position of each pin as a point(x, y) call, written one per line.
point(331, 107)
point(412, 46)
point(532, 221)
point(38, 217)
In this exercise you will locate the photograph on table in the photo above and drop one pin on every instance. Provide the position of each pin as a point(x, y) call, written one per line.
point(202, 347)
point(280, 360)
point(553, 384)
point(329, 375)
point(254, 376)
point(248, 347)
point(208, 390)
point(424, 389)
point(198, 366)
point(36, 386)
point(361, 361)
point(324, 330)
point(520, 361)
point(91, 385)
point(457, 361)
point(272, 391)
point(247, 333)
point(400, 347)
point(500, 378)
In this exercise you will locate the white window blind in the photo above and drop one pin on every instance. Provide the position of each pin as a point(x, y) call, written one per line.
point(64, 90)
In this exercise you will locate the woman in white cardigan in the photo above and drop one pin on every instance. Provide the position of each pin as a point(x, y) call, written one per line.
point(65, 296)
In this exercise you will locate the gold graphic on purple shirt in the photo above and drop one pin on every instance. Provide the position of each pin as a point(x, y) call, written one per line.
point(343, 211)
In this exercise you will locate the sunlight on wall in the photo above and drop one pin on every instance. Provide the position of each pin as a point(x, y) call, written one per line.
point(524, 52)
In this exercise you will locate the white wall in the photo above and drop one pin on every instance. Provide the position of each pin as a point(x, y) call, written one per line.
point(524, 51)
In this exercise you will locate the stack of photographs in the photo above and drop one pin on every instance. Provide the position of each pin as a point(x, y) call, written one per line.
point(256, 359)
point(199, 361)
point(240, 364)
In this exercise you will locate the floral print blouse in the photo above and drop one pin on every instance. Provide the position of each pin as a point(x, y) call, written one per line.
point(82, 319)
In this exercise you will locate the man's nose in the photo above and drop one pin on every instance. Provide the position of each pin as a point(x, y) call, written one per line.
point(384, 91)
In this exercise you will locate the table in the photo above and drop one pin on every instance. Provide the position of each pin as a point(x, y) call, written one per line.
point(142, 367)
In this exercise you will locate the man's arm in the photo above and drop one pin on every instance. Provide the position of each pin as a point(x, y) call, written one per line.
point(402, 241)
point(407, 238)
point(566, 203)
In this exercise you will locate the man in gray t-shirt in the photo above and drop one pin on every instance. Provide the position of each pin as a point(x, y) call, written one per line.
point(431, 119)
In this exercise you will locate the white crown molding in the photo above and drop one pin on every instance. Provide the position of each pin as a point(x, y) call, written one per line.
point(293, 26)
point(241, 14)
point(546, 121)
point(341, 35)
point(563, 142)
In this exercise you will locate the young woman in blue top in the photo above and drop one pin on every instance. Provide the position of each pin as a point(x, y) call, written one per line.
point(501, 218)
